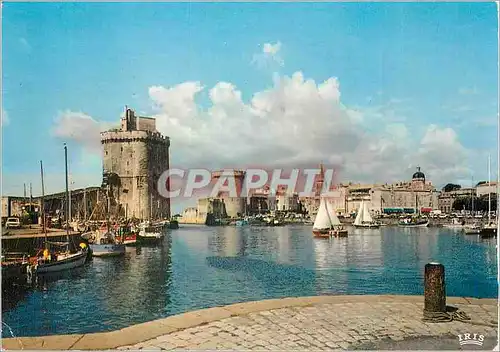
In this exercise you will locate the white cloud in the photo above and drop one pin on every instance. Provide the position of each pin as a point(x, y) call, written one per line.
point(4, 118)
point(270, 54)
point(297, 122)
point(81, 128)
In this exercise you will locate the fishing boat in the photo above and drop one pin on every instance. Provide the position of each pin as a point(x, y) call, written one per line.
point(149, 233)
point(413, 222)
point(49, 260)
point(103, 241)
point(326, 223)
point(455, 224)
point(472, 229)
point(104, 244)
point(173, 224)
point(125, 235)
point(364, 218)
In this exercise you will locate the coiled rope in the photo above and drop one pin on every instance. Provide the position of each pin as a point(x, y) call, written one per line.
point(443, 317)
point(456, 315)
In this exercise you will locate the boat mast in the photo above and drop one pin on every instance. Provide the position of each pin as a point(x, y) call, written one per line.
point(42, 209)
point(108, 207)
point(472, 197)
point(31, 198)
point(85, 204)
point(489, 192)
point(67, 192)
point(151, 207)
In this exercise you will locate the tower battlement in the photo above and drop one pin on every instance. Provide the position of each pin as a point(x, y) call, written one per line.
point(133, 136)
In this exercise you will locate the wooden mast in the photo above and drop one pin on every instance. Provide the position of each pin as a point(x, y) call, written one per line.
point(42, 209)
point(67, 192)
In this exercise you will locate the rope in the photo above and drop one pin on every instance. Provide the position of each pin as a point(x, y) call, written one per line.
point(445, 317)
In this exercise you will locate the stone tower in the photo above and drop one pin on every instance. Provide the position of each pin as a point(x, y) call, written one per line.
point(134, 158)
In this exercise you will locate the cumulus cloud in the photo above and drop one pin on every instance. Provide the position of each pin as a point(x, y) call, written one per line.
point(270, 54)
point(299, 122)
point(80, 128)
point(296, 122)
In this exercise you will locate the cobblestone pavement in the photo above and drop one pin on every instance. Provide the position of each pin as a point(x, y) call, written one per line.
point(331, 326)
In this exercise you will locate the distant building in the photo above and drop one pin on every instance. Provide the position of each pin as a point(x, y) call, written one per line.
point(417, 195)
point(15, 206)
point(446, 199)
point(134, 158)
point(486, 188)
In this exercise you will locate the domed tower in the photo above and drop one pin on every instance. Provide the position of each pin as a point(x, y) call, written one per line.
point(418, 180)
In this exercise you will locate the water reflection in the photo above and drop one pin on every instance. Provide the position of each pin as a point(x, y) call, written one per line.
point(105, 294)
point(198, 267)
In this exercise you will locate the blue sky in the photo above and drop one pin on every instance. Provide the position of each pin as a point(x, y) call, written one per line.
point(415, 65)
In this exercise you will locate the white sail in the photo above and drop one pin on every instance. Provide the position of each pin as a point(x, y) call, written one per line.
point(366, 214)
point(359, 215)
point(333, 216)
point(322, 220)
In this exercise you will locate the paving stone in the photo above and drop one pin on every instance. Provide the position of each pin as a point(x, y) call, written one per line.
point(333, 326)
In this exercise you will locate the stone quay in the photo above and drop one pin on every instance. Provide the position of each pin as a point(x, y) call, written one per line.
point(303, 323)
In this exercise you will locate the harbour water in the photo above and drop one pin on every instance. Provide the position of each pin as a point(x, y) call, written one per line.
point(200, 267)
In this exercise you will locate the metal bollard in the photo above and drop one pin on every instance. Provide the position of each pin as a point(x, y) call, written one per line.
point(434, 288)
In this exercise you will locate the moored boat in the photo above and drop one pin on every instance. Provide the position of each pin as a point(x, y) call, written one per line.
point(126, 236)
point(49, 260)
point(455, 224)
point(326, 223)
point(173, 224)
point(472, 229)
point(149, 233)
point(364, 218)
point(414, 222)
point(488, 231)
point(104, 244)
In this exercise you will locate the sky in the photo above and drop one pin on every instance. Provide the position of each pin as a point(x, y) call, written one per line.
point(374, 89)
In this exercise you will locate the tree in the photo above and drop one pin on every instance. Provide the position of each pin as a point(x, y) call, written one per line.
point(451, 187)
point(480, 203)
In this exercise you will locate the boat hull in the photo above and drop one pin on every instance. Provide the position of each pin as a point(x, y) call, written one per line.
point(425, 224)
point(488, 232)
point(173, 225)
point(71, 262)
point(107, 250)
point(367, 226)
point(149, 239)
point(327, 233)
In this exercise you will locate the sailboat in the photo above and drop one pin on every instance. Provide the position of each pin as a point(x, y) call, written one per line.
point(103, 243)
point(148, 232)
point(47, 260)
point(415, 221)
point(490, 229)
point(364, 218)
point(327, 224)
point(473, 228)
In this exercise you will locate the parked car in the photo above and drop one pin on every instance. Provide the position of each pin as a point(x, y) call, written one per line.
point(13, 223)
